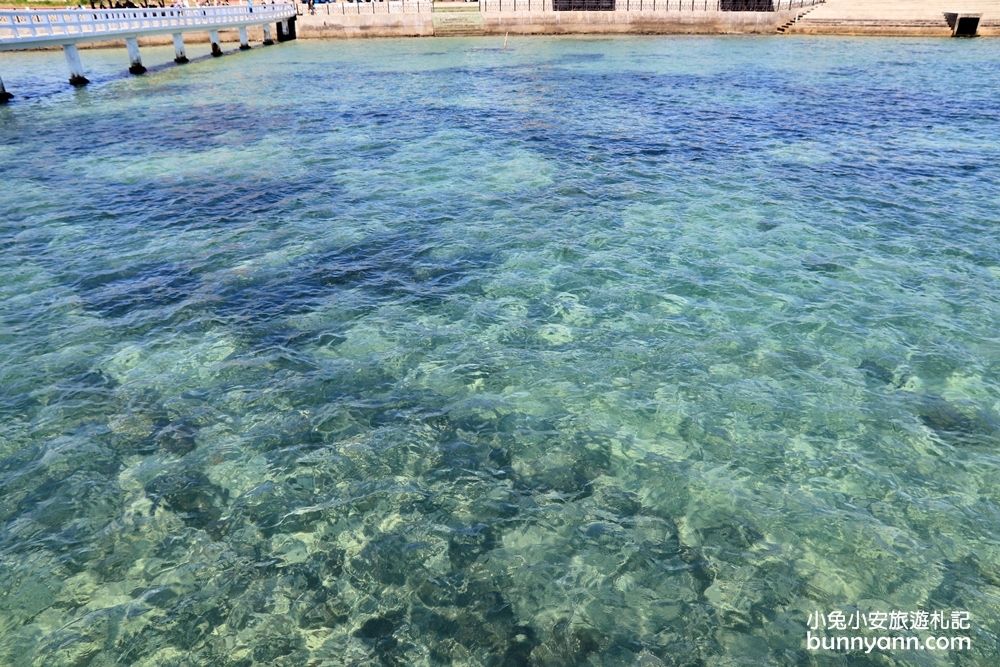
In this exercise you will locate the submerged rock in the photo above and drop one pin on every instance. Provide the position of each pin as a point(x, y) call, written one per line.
point(520, 645)
point(375, 628)
point(700, 569)
point(177, 437)
point(468, 544)
point(273, 648)
point(958, 425)
point(189, 495)
point(568, 646)
point(622, 503)
point(569, 483)
point(729, 535)
point(826, 268)
point(876, 371)
point(387, 560)
point(378, 633)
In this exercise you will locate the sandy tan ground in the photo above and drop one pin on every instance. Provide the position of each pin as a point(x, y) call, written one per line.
point(895, 17)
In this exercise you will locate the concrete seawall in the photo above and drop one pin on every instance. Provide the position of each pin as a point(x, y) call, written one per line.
point(621, 22)
point(335, 26)
point(323, 26)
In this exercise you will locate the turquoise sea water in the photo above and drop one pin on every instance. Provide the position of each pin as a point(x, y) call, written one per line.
point(629, 351)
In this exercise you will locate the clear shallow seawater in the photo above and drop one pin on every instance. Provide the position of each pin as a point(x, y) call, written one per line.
point(590, 352)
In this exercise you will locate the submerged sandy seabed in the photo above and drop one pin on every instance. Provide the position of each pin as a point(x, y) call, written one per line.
point(590, 352)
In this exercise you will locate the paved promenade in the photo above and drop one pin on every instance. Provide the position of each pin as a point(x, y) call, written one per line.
point(895, 17)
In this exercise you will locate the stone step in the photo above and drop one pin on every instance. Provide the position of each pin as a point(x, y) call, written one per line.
point(458, 21)
point(459, 33)
point(798, 17)
point(455, 24)
point(875, 22)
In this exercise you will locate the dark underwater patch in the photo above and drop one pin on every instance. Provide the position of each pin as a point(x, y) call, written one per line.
point(965, 425)
point(819, 266)
point(190, 495)
point(567, 646)
point(566, 483)
point(386, 560)
point(393, 268)
point(278, 506)
point(400, 266)
point(142, 286)
point(177, 437)
point(580, 57)
point(466, 545)
point(876, 372)
point(624, 504)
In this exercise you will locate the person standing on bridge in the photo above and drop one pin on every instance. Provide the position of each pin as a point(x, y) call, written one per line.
point(250, 5)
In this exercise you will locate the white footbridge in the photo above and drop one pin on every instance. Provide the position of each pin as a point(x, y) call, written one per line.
point(33, 29)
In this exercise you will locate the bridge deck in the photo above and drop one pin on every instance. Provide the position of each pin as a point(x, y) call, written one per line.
point(29, 29)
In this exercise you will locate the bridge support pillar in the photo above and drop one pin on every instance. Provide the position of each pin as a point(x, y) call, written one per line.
point(4, 95)
point(180, 57)
point(286, 30)
point(213, 36)
point(76, 77)
point(244, 40)
point(267, 34)
point(135, 61)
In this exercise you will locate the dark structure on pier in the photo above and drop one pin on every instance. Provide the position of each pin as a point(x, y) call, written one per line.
point(746, 5)
point(583, 5)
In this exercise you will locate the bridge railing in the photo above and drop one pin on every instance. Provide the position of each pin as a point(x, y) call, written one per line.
point(31, 25)
point(387, 7)
point(643, 5)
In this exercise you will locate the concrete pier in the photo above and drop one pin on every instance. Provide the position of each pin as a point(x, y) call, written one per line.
point(213, 37)
point(180, 56)
point(244, 40)
point(76, 77)
point(267, 35)
point(134, 59)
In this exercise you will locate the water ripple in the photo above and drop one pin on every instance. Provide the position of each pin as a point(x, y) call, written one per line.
point(590, 351)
